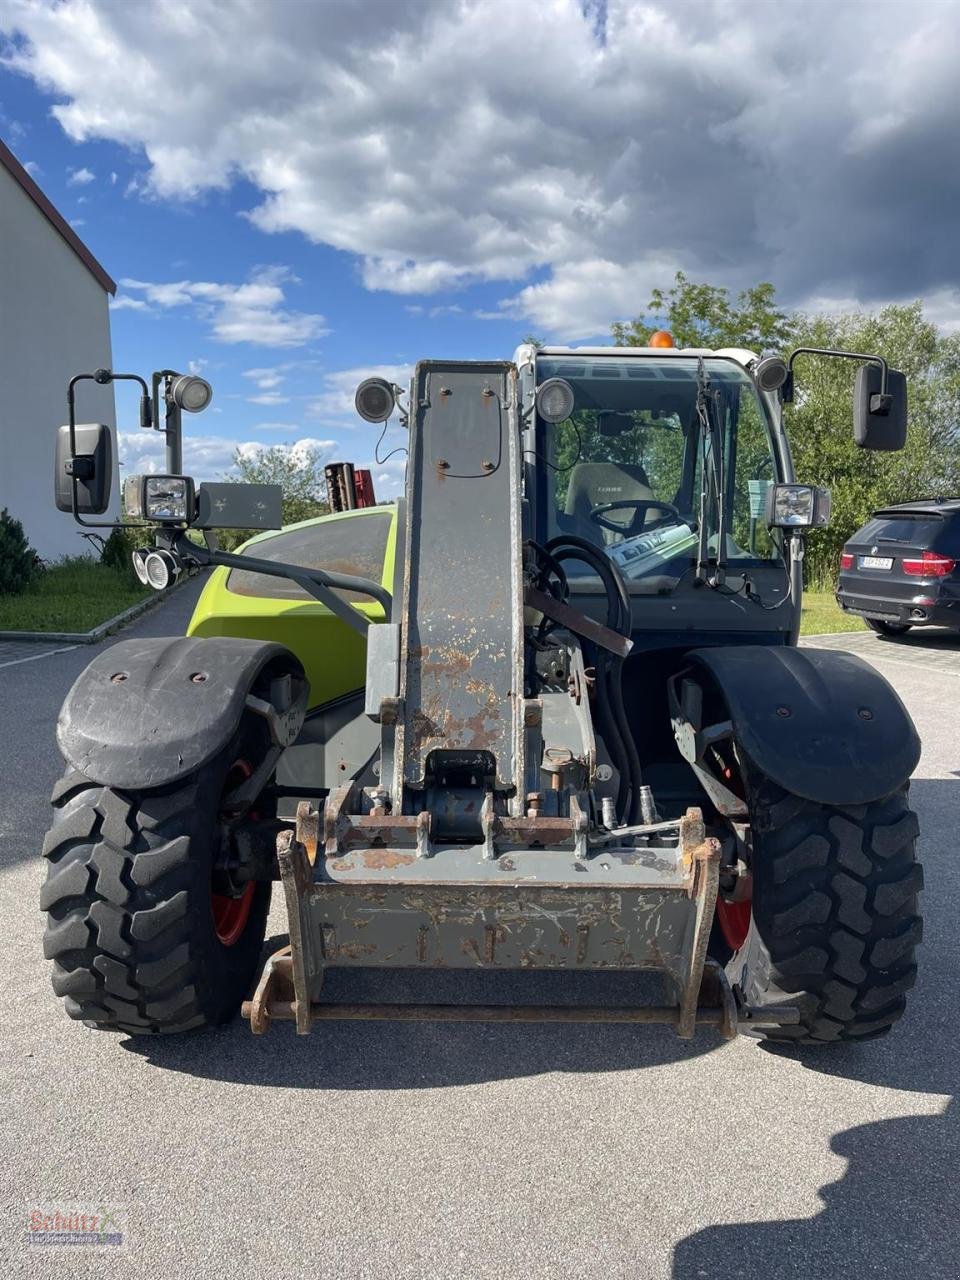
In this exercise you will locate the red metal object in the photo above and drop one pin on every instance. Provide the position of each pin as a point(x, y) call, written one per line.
point(230, 915)
point(734, 921)
point(363, 488)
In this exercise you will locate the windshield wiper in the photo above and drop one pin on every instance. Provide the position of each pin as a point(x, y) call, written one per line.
point(707, 406)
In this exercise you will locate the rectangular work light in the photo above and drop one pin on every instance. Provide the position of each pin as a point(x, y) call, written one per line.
point(797, 506)
point(161, 498)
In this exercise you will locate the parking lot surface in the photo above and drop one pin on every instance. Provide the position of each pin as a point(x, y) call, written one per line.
point(387, 1150)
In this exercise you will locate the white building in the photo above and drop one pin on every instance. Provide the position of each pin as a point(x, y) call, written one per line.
point(54, 322)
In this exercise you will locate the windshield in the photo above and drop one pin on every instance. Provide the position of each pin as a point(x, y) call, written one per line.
point(626, 469)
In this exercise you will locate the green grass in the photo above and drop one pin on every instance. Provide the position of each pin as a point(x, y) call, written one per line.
point(822, 614)
point(75, 594)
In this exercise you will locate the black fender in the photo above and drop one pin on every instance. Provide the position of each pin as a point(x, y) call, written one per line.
point(820, 723)
point(149, 712)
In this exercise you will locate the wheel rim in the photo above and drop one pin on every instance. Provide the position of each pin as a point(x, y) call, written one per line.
point(734, 921)
point(230, 915)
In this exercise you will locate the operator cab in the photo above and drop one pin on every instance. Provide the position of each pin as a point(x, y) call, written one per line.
point(664, 462)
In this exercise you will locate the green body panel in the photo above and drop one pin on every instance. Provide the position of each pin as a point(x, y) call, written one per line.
point(332, 653)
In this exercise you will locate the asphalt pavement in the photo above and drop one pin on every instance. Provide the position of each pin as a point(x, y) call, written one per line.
point(463, 1150)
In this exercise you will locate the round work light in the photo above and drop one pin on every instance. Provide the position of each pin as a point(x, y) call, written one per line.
point(375, 400)
point(771, 373)
point(555, 400)
point(161, 569)
point(139, 558)
point(191, 393)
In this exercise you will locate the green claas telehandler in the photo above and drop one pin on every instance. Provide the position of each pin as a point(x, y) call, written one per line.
point(545, 711)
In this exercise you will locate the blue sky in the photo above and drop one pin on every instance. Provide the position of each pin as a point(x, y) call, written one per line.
point(287, 387)
point(292, 195)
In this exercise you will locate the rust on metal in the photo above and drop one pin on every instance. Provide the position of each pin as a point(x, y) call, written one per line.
point(296, 874)
point(577, 622)
point(308, 828)
point(669, 1014)
point(382, 859)
point(704, 857)
point(490, 943)
point(274, 989)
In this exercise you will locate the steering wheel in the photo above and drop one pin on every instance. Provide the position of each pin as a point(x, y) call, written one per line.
point(639, 507)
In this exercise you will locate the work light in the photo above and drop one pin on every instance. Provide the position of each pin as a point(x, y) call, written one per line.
point(161, 498)
point(139, 558)
point(797, 506)
point(555, 400)
point(771, 373)
point(191, 393)
point(161, 569)
point(375, 400)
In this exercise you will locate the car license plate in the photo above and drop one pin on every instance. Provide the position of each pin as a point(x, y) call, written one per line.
point(876, 562)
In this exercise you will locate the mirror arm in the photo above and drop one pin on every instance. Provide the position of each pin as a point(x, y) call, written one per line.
point(879, 403)
point(172, 422)
point(103, 377)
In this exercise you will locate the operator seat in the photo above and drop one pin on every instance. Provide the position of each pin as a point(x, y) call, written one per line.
point(594, 483)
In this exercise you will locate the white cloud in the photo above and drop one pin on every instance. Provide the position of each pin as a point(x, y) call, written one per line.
point(33, 169)
point(581, 299)
point(251, 312)
point(624, 136)
point(940, 308)
point(268, 379)
point(78, 222)
point(268, 397)
point(208, 457)
point(80, 177)
point(126, 303)
point(434, 313)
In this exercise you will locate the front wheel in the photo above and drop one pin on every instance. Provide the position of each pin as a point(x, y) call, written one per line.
point(833, 923)
point(146, 932)
point(887, 628)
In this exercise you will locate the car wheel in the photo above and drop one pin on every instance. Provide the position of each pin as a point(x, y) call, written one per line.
point(887, 628)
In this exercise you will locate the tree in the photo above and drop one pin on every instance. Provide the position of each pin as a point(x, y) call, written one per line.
point(820, 422)
point(705, 315)
point(299, 473)
point(18, 560)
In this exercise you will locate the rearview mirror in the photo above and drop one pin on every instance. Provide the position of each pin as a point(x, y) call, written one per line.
point(879, 422)
point(91, 466)
point(615, 424)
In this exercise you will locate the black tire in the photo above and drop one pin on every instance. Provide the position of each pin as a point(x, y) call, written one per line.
point(130, 926)
point(834, 922)
point(887, 628)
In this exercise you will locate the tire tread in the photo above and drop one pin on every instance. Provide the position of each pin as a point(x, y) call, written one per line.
point(836, 920)
point(119, 926)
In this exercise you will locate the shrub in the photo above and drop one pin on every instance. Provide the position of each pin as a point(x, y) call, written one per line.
point(116, 551)
point(18, 560)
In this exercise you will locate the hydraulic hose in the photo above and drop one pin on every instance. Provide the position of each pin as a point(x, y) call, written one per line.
point(620, 742)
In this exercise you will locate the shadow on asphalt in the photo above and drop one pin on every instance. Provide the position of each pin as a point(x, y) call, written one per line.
point(894, 1211)
point(429, 1055)
point(397, 1055)
point(933, 638)
point(892, 1214)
